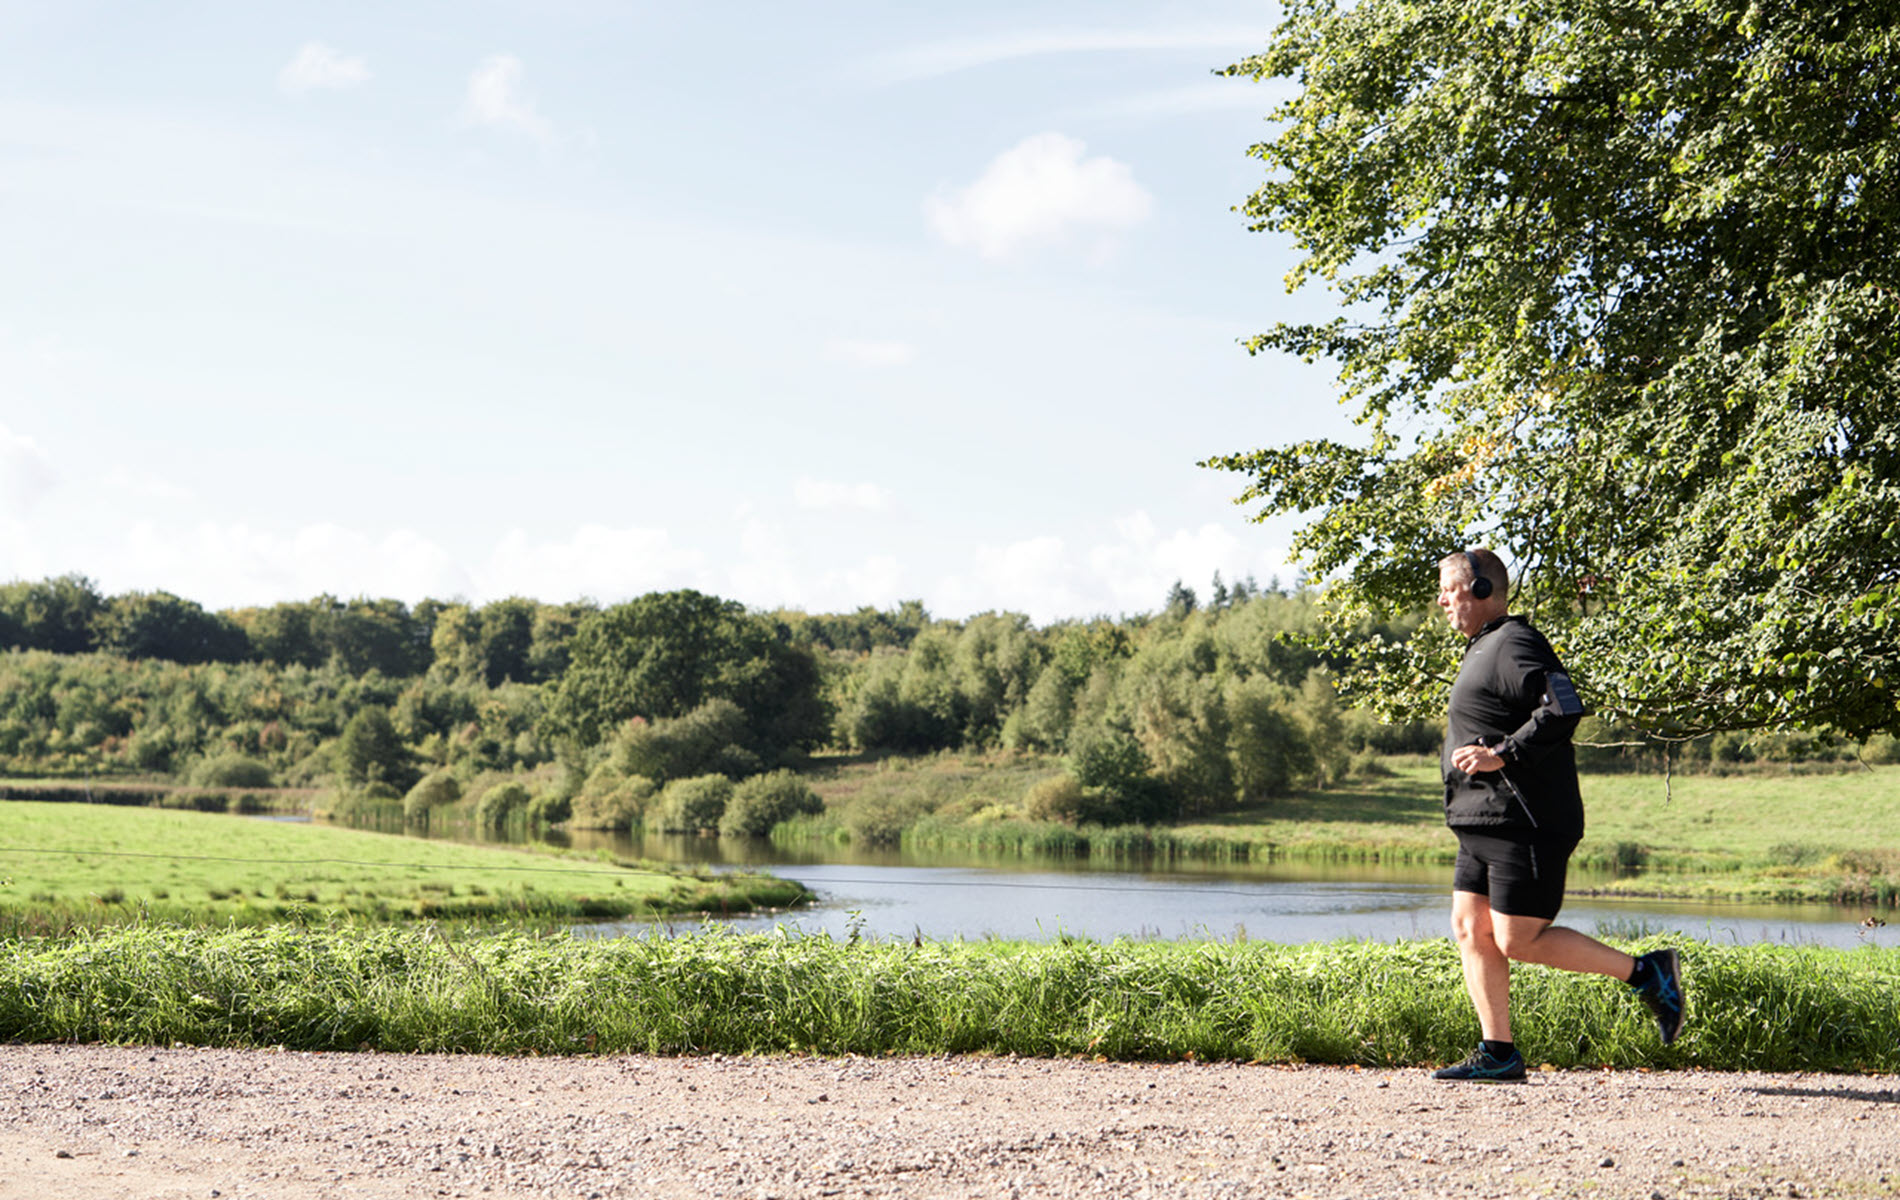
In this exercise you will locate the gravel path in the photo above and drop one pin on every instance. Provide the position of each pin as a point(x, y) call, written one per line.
point(143, 1124)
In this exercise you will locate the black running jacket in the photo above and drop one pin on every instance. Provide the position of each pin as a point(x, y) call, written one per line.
point(1513, 695)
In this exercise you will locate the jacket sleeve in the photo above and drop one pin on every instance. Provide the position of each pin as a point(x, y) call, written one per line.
point(1544, 688)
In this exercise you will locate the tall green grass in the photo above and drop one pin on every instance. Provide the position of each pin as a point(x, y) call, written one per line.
point(1754, 1007)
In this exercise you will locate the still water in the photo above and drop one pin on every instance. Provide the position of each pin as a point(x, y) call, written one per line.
point(902, 894)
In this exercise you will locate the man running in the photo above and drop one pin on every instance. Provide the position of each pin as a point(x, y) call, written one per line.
point(1512, 798)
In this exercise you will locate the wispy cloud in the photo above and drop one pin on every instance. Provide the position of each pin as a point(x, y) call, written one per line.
point(869, 354)
point(963, 54)
point(1215, 95)
point(317, 66)
point(824, 494)
point(1041, 191)
point(496, 98)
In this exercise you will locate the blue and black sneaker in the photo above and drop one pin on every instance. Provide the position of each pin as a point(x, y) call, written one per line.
point(1658, 980)
point(1483, 1065)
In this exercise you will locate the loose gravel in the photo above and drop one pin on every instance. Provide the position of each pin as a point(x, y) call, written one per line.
point(145, 1124)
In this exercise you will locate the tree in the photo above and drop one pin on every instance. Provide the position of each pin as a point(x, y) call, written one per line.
point(1622, 288)
point(362, 635)
point(161, 625)
point(53, 614)
point(666, 653)
point(280, 634)
point(371, 752)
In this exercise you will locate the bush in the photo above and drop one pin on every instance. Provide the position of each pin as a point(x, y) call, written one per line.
point(1880, 750)
point(708, 740)
point(437, 789)
point(1057, 798)
point(696, 804)
point(501, 802)
point(231, 770)
point(552, 805)
point(763, 801)
point(1115, 775)
point(611, 800)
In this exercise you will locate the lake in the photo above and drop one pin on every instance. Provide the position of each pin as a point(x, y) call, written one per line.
point(900, 894)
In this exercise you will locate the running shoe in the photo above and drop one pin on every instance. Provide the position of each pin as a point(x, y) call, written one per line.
point(1662, 992)
point(1482, 1065)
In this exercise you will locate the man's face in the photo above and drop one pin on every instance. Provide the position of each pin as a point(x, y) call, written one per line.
point(1466, 613)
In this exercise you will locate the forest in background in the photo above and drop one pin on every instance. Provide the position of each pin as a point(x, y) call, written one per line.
point(1199, 707)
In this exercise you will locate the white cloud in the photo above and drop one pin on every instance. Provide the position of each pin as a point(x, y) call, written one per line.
point(318, 66)
point(1128, 571)
point(26, 471)
point(495, 98)
point(823, 494)
point(1041, 191)
point(869, 355)
point(595, 560)
point(221, 565)
point(768, 573)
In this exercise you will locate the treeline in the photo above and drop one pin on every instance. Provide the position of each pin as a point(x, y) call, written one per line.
point(1191, 709)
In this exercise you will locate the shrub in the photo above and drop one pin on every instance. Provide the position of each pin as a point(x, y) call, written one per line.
point(501, 802)
point(1881, 750)
point(611, 800)
point(437, 789)
point(763, 801)
point(692, 805)
point(1057, 798)
point(708, 740)
point(880, 820)
point(551, 805)
point(231, 770)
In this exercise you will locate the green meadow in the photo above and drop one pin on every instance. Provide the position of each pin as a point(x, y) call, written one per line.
point(65, 865)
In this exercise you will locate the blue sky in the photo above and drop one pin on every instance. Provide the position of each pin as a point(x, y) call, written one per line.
point(807, 305)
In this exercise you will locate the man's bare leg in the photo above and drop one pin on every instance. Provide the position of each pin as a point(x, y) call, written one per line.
point(1487, 970)
point(1533, 939)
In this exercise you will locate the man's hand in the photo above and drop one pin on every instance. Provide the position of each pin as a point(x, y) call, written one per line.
point(1473, 759)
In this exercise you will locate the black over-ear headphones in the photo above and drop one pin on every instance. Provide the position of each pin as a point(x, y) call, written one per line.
point(1480, 586)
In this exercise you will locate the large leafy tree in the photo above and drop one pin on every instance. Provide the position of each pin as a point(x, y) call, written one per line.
point(1619, 287)
point(666, 653)
point(161, 625)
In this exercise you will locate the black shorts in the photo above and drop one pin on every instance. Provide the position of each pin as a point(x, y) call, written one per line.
point(1522, 876)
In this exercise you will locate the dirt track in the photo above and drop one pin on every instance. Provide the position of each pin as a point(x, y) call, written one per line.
point(148, 1124)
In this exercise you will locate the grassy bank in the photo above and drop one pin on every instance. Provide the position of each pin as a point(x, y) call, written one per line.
point(161, 793)
point(1772, 836)
point(67, 865)
point(1756, 1007)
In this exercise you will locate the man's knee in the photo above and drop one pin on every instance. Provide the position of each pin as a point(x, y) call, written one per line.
point(1471, 932)
point(1518, 941)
